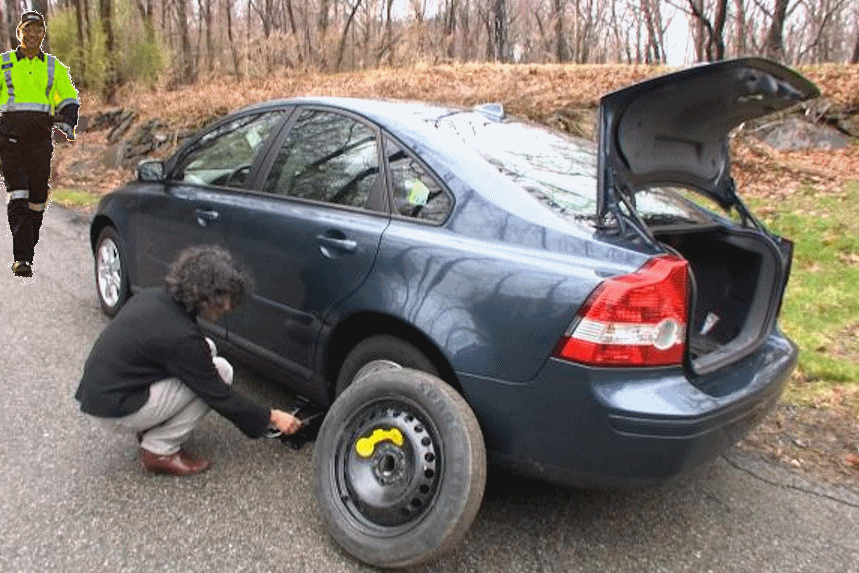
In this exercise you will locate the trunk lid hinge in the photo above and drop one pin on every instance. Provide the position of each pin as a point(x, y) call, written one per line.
point(628, 219)
point(747, 218)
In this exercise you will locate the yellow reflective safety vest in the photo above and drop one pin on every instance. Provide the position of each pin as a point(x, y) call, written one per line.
point(39, 84)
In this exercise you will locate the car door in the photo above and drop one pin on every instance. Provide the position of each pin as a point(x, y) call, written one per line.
point(310, 234)
point(199, 194)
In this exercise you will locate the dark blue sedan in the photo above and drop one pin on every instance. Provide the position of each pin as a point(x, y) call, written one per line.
point(451, 283)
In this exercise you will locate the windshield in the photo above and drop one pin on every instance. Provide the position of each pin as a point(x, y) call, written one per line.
point(558, 170)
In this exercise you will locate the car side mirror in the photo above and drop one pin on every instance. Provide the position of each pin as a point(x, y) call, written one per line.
point(150, 170)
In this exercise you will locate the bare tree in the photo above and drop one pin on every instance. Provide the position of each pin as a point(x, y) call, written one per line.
point(228, 10)
point(854, 59)
point(562, 48)
point(342, 46)
point(774, 43)
point(187, 68)
point(710, 42)
point(499, 31)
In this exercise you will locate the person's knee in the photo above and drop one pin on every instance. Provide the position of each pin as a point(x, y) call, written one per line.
point(224, 368)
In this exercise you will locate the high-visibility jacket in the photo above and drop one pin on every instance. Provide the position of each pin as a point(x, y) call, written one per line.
point(40, 84)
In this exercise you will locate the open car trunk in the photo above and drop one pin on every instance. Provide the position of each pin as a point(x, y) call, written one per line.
point(738, 280)
point(673, 131)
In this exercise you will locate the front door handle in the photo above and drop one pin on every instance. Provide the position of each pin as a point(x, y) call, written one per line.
point(335, 241)
point(206, 216)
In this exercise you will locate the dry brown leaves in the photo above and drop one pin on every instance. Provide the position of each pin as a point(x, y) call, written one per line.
point(533, 91)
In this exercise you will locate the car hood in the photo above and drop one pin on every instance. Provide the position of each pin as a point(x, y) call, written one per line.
point(673, 129)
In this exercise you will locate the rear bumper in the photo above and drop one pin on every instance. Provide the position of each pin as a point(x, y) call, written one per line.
point(625, 427)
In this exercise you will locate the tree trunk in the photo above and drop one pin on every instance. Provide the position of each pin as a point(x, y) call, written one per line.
point(855, 58)
point(342, 47)
point(707, 40)
point(294, 29)
point(41, 6)
point(388, 43)
point(187, 71)
point(105, 9)
point(449, 28)
point(562, 50)
point(79, 8)
point(13, 16)
point(106, 18)
point(210, 47)
point(146, 14)
point(717, 40)
point(740, 42)
point(499, 31)
point(774, 43)
point(228, 8)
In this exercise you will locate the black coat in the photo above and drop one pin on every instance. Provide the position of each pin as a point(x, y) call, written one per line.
point(150, 339)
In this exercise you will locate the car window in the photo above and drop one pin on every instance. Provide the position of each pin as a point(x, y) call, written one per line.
point(415, 193)
point(224, 156)
point(672, 206)
point(326, 157)
point(558, 170)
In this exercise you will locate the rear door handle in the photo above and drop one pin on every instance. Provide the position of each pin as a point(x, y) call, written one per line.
point(337, 241)
point(205, 216)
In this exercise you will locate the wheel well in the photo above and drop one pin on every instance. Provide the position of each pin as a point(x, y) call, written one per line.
point(99, 223)
point(363, 325)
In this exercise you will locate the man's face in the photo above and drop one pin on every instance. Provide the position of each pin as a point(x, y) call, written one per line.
point(215, 310)
point(32, 35)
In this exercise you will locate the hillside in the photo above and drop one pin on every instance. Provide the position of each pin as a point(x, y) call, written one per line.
point(564, 96)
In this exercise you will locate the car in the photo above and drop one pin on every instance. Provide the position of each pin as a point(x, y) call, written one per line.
point(456, 286)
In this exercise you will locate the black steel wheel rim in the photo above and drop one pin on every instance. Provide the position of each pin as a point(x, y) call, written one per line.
point(388, 466)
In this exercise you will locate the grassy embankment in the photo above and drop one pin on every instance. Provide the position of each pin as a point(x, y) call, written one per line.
point(821, 307)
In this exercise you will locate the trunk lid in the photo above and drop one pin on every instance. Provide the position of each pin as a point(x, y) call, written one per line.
point(674, 128)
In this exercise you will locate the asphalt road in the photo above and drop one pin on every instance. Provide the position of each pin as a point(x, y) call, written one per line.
point(74, 498)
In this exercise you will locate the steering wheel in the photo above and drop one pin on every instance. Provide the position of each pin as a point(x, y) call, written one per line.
point(238, 177)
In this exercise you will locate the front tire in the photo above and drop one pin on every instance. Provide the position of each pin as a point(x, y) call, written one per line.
point(400, 468)
point(111, 272)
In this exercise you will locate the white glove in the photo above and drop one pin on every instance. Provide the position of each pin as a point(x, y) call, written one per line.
point(67, 129)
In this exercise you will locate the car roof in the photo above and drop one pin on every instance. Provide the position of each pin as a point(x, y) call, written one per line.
point(382, 111)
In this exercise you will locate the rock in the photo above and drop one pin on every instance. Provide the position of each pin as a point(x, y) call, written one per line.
point(795, 133)
point(124, 123)
point(114, 155)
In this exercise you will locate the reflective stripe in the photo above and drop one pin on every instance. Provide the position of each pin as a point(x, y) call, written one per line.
point(51, 62)
point(66, 102)
point(7, 59)
point(26, 107)
point(12, 195)
point(37, 206)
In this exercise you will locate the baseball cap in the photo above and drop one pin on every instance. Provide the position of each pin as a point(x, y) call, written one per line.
point(32, 16)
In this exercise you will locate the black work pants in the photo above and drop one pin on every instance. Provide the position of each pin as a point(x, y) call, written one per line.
point(26, 167)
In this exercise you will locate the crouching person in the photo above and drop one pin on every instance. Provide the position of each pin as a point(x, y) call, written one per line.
point(153, 373)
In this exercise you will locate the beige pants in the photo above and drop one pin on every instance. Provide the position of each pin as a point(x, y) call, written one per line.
point(171, 413)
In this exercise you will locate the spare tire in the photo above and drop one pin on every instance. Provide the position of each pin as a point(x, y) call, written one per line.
point(400, 468)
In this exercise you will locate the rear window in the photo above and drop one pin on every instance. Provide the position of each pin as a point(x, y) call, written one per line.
point(661, 206)
point(558, 170)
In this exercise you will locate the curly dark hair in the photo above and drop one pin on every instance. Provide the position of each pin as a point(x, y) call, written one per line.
point(203, 273)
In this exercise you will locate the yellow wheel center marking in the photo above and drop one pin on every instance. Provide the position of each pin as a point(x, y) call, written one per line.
point(366, 446)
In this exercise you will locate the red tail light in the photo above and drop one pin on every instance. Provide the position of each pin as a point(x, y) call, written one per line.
point(633, 320)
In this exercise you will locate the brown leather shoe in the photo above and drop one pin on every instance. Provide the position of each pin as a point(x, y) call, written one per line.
point(178, 464)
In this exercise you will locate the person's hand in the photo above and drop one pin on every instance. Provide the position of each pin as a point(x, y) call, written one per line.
point(286, 423)
point(67, 129)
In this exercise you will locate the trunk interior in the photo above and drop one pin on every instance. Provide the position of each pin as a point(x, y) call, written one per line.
point(738, 281)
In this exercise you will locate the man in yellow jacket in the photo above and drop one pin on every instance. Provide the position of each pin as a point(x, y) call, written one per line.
point(36, 94)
